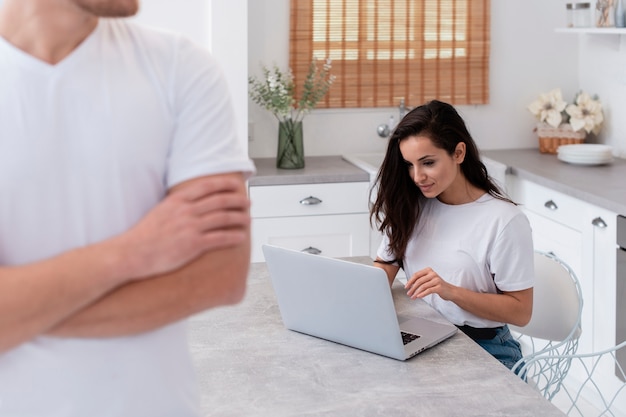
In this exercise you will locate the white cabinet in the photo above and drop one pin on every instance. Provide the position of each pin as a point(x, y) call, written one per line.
point(330, 219)
point(583, 235)
point(556, 221)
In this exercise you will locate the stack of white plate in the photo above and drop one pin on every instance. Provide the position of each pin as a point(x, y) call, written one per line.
point(585, 154)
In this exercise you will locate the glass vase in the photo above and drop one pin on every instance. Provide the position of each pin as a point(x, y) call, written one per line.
point(290, 146)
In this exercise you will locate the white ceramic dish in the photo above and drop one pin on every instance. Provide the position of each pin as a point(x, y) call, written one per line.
point(586, 149)
point(585, 159)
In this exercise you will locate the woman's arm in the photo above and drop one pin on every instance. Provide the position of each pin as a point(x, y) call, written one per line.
point(513, 307)
point(217, 277)
point(390, 269)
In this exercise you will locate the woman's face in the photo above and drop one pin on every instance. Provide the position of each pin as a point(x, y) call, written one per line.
point(436, 173)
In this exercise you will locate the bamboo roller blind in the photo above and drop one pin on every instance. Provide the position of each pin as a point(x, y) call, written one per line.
point(383, 51)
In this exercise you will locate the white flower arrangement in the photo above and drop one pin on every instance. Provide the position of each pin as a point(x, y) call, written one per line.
point(584, 113)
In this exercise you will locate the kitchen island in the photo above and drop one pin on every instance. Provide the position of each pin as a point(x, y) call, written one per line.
point(249, 364)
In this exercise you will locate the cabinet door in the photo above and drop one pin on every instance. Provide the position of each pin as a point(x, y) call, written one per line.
point(601, 227)
point(334, 236)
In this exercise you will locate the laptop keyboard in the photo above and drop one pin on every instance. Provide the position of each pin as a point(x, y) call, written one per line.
point(408, 337)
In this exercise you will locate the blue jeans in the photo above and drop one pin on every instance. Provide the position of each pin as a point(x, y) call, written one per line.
point(503, 347)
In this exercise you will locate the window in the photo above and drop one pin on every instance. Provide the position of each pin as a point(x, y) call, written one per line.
point(383, 51)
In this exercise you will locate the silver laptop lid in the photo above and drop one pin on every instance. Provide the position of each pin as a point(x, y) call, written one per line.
point(341, 301)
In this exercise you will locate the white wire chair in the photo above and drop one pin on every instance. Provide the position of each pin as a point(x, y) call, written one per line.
point(555, 326)
point(591, 395)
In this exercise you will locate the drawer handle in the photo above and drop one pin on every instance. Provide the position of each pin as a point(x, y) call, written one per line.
point(551, 205)
point(312, 250)
point(598, 222)
point(310, 201)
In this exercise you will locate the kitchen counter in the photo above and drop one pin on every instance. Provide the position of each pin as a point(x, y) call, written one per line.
point(317, 169)
point(249, 364)
point(603, 186)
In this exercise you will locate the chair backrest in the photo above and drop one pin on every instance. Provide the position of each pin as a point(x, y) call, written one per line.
point(554, 328)
point(557, 301)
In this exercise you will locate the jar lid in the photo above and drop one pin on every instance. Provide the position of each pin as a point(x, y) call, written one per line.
point(571, 6)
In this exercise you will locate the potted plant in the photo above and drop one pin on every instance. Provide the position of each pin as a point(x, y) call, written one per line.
point(276, 93)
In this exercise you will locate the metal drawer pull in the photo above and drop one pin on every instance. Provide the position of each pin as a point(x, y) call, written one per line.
point(312, 250)
point(598, 222)
point(550, 205)
point(310, 201)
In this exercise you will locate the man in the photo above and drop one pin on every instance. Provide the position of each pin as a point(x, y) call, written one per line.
point(123, 210)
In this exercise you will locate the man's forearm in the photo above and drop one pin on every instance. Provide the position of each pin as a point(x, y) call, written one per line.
point(36, 297)
point(188, 248)
point(216, 278)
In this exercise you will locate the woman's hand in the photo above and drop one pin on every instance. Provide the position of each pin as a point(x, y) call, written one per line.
point(427, 281)
point(514, 307)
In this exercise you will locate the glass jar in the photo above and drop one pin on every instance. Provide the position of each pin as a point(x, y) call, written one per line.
point(605, 13)
point(578, 15)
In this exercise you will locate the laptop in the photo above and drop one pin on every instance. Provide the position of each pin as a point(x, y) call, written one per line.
point(347, 303)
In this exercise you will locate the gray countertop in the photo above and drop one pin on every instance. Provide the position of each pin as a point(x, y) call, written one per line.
point(604, 185)
point(249, 364)
point(317, 169)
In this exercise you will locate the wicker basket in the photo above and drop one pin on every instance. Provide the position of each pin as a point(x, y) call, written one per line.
point(550, 138)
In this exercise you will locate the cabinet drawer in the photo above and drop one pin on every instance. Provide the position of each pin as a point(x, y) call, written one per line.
point(552, 204)
point(334, 236)
point(309, 199)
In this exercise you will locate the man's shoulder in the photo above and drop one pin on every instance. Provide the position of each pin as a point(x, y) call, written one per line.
point(155, 45)
point(130, 31)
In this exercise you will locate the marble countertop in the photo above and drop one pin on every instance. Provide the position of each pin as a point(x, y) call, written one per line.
point(603, 185)
point(317, 169)
point(249, 364)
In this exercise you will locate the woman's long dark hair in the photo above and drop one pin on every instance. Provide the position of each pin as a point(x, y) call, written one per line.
point(398, 200)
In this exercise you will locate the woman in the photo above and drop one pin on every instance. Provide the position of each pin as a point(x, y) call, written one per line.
point(466, 249)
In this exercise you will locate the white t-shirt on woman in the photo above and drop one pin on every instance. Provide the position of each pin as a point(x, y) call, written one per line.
point(484, 246)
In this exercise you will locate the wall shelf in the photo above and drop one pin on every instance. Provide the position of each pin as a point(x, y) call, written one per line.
point(593, 30)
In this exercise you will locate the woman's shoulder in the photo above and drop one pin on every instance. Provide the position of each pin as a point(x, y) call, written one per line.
point(500, 207)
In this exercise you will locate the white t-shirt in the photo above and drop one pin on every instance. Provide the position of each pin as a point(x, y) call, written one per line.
point(485, 246)
point(87, 147)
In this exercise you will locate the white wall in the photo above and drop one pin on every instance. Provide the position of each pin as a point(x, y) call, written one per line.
point(527, 58)
point(602, 70)
point(189, 17)
point(220, 26)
